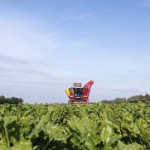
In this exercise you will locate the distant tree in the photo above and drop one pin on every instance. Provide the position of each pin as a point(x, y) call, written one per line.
point(145, 97)
point(2, 97)
point(21, 100)
point(104, 101)
point(12, 100)
point(120, 99)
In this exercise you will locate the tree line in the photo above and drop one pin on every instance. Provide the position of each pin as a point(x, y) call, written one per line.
point(12, 100)
point(136, 98)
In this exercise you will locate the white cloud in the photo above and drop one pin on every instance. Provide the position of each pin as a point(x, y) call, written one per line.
point(28, 67)
point(23, 41)
point(79, 43)
point(31, 81)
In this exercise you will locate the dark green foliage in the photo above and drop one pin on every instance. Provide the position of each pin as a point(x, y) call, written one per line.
point(146, 97)
point(137, 98)
point(12, 100)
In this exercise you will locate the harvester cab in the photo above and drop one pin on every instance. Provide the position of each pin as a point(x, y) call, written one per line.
point(78, 94)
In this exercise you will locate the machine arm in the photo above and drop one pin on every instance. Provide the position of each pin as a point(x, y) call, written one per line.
point(87, 87)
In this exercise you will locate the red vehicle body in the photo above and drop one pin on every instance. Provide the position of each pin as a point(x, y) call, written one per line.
point(78, 94)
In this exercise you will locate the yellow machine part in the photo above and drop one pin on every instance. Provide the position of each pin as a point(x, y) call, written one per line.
point(68, 92)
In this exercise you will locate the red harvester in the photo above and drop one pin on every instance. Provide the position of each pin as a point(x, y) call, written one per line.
point(78, 94)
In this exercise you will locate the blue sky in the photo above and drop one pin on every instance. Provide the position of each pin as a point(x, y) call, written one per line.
point(47, 45)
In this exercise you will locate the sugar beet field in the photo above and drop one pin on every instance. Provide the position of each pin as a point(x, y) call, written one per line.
point(99, 126)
